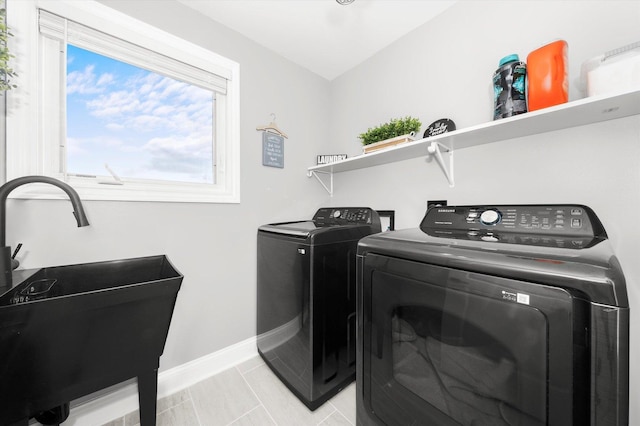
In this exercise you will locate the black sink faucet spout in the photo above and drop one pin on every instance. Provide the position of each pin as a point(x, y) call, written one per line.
point(81, 218)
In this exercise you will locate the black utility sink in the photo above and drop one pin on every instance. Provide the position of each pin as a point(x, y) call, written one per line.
point(68, 331)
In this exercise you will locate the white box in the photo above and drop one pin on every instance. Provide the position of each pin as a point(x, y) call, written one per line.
point(615, 71)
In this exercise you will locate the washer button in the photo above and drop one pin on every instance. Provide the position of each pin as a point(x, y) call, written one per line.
point(490, 217)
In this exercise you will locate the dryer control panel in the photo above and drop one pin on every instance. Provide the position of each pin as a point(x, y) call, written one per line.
point(332, 216)
point(515, 223)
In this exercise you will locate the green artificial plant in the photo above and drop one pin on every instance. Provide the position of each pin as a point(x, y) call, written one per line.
point(395, 127)
point(6, 72)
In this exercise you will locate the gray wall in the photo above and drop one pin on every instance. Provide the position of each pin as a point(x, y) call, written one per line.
point(443, 69)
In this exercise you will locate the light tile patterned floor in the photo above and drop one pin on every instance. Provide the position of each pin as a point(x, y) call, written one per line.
point(248, 394)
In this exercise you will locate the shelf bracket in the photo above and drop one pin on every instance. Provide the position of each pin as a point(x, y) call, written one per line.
point(317, 173)
point(434, 149)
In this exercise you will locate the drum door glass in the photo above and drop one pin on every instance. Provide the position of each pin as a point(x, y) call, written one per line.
point(447, 347)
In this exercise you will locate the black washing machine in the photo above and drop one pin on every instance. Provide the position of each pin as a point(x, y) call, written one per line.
point(306, 303)
point(493, 316)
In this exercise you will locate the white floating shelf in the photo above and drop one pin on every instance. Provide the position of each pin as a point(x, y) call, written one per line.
point(572, 114)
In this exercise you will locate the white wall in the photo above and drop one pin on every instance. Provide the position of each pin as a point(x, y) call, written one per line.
point(444, 69)
point(213, 245)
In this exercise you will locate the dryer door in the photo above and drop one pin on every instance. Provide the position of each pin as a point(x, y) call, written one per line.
point(449, 347)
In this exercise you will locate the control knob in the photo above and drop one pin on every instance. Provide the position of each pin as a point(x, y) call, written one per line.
point(490, 217)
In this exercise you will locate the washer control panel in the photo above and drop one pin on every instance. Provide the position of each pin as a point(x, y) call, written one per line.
point(514, 223)
point(332, 216)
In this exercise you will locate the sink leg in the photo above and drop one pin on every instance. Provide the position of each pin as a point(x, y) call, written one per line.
point(147, 397)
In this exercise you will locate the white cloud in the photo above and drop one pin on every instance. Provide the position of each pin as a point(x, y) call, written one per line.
point(155, 103)
point(74, 146)
point(105, 79)
point(86, 82)
point(115, 126)
point(189, 155)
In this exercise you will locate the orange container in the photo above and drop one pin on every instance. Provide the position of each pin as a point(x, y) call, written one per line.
point(547, 76)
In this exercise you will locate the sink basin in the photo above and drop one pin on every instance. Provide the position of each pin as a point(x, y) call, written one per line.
point(68, 331)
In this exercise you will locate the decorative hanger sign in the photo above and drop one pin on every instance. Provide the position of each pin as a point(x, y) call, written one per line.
point(272, 150)
point(273, 127)
point(272, 144)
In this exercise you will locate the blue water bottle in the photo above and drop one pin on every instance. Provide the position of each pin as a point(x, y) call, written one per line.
point(509, 95)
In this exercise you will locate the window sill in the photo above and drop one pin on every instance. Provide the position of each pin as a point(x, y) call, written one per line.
point(132, 191)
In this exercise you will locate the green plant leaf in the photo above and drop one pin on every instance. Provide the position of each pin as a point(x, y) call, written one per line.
point(395, 127)
point(6, 72)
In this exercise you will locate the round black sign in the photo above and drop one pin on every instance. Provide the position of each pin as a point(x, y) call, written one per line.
point(438, 127)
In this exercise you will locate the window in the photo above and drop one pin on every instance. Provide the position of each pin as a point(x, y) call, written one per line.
point(124, 111)
point(142, 124)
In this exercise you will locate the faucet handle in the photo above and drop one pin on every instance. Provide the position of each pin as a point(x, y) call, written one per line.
point(15, 252)
point(14, 262)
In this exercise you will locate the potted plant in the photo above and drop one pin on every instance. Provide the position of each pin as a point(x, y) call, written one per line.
point(6, 72)
point(396, 131)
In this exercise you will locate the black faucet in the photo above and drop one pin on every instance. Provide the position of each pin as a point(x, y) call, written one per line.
point(5, 254)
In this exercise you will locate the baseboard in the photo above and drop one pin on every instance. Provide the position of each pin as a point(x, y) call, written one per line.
point(123, 399)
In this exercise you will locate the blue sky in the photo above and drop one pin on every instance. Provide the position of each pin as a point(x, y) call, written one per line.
point(143, 124)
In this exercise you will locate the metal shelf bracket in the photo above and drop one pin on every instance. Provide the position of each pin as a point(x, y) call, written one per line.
point(317, 173)
point(435, 150)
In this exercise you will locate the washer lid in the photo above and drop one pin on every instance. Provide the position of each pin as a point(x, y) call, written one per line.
point(299, 229)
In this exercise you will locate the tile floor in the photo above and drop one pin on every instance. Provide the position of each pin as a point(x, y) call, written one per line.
point(248, 394)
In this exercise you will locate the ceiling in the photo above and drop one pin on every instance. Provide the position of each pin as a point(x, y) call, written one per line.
point(321, 35)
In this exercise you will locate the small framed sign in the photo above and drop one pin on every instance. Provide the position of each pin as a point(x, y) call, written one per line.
point(272, 150)
point(330, 158)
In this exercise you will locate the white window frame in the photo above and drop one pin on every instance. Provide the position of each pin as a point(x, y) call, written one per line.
point(32, 151)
